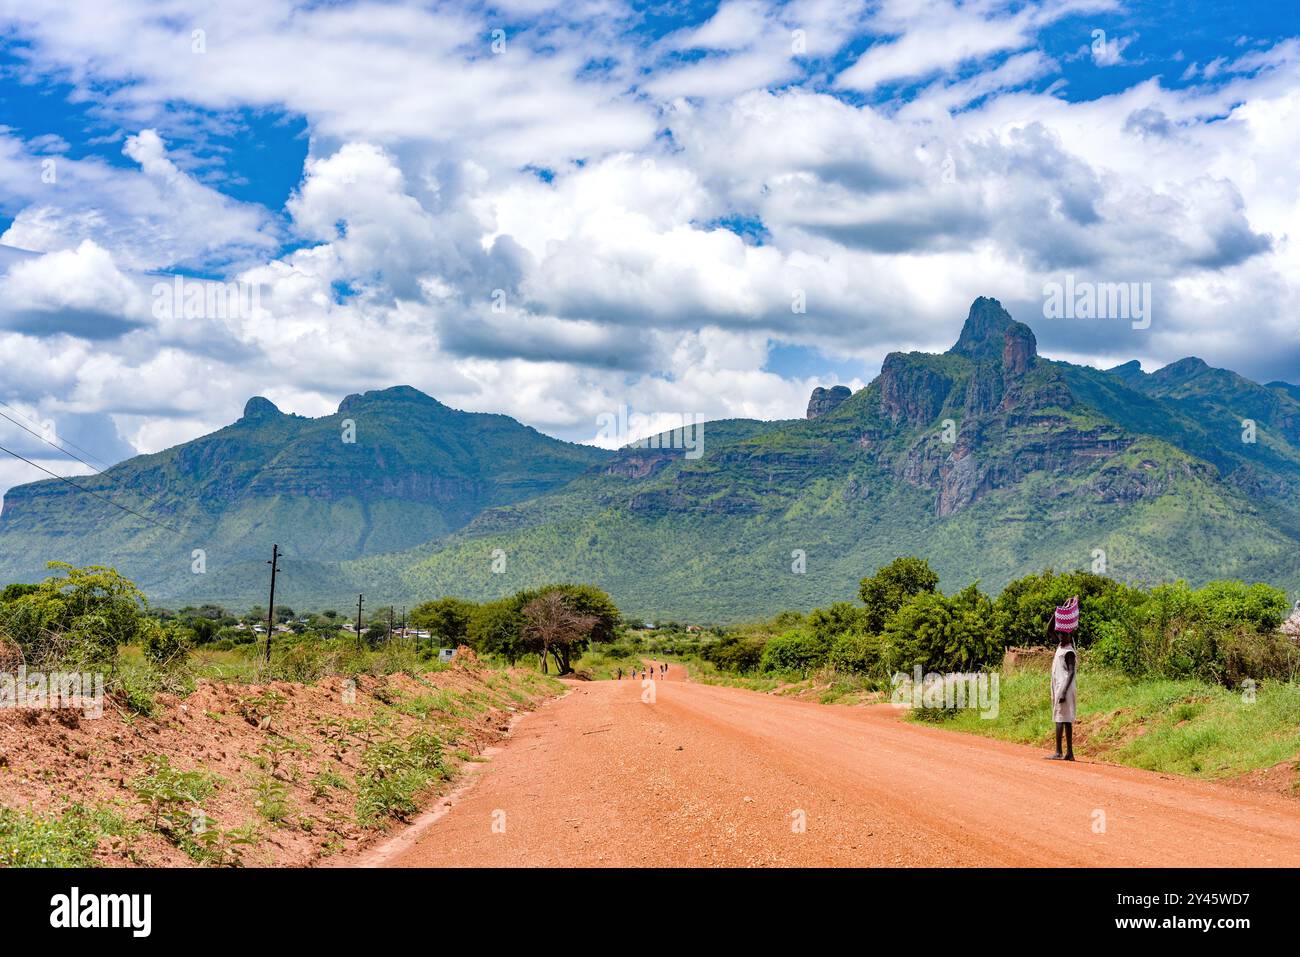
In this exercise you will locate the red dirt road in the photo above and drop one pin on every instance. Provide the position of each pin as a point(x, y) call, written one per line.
point(707, 776)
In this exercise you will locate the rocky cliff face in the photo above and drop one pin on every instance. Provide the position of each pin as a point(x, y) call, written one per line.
point(912, 388)
point(1009, 426)
point(826, 400)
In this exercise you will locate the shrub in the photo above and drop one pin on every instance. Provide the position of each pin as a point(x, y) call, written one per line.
point(76, 618)
point(857, 653)
point(394, 772)
point(943, 634)
point(1024, 609)
point(1224, 632)
point(739, 653)
point(800, 650)
point(165, 646)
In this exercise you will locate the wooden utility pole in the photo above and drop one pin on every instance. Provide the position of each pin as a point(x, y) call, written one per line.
point(359, 600)
point(270, 609)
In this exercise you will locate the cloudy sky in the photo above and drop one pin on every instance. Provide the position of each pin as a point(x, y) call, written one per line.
point(552, 209)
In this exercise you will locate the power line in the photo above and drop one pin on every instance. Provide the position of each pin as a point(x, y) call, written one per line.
point(88, 491)
point(65, 441)
point(51, 444)
point(98, 471)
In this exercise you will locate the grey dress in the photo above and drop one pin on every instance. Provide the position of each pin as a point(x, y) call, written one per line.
point(1063, 712)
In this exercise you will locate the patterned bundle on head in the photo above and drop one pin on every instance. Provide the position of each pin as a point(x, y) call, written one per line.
point(1067, 615)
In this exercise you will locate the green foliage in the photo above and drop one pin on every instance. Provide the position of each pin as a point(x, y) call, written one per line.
point(271, 799)
point(886, 591)
point(77, 618)
point(497, 628)
point(857, 653)
point(1025, 608)
point(943, 634)
point(801, 650)
point(165, 647)
point(740, 653)
point(1224, 632)
point(841, 618)
point(394, 773)
point(67, 839)
point(446, 619)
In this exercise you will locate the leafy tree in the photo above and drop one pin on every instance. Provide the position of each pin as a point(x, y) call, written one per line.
point(16, 591)
point(736, 652)
point(78, 617)
point(590, 601)
point(447, 619)
point(497, 628)
point(857, 653)
point(829, 623)
point(886, 591)
point(202, 630)
point(786, 620)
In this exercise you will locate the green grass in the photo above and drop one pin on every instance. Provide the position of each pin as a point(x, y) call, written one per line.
point(68, 839)
point(395, 772)
point(1183, 727)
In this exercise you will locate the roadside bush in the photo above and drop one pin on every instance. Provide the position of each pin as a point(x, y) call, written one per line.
point(77, 618)
point(857, 653)
point(943, 634)
point(800, 650)
point(165, 646)
point(1225, 632)
point(739, 653)
point(394, 772)
point(1025, 607)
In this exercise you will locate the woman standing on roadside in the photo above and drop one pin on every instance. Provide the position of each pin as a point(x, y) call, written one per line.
point(1064, 665)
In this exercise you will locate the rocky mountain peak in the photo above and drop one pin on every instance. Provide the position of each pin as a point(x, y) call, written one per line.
point(260, 407)
point(982, 333)
point(826, 400)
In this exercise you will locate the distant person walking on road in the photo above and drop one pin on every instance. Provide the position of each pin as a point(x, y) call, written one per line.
point(1064, 665)
point(620, 674)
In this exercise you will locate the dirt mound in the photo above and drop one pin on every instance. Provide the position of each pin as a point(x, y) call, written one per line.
point(283, 757)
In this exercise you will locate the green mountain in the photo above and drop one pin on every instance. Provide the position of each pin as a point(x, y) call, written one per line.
point(988, 460)
point(389, 470)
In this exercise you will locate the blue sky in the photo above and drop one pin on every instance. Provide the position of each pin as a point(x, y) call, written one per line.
point(551, 210)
